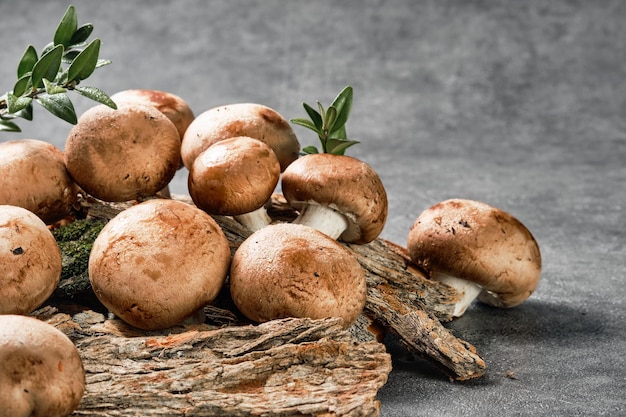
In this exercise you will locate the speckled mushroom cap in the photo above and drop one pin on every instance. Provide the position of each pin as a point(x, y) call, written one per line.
point(30, 261)
point(158, 262)
point(241, 119)
point(343, 183)
point(234, 176)
point(41, 373)
point(473, 241)
point(292, 270)
point(33, 176)
point(123, 154)
point(174, 107)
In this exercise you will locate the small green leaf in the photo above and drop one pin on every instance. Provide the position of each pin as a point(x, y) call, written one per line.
point(27, 62)
point(8, 126)
point(343, 104)
point(314, 115)
point(306, 123)
point(85, 63)
point(339, 133)
point(22, 84)
point(26, 113)
point(81, 34)
point(66, 28)
point(96, 95)
point(343, 96)
point(52, 88)
point(330, 117)
point(309, 150)
point(48, 66)
point(338, 146)
point(59, 105)
point(321, 110)
point(70, 55)
point(15, 103)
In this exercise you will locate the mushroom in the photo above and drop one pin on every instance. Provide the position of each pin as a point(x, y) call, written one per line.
point(479, 250)
point(241, 119)
point(339, 195)
point(158, 262)
point(33, 176)
point(235, 177)
point(30, 261)
point(174, 107)
point(41, 373)
point(125, 154)
point(293, 270)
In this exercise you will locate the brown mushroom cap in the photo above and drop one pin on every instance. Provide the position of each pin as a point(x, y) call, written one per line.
point(344, 184)
point(30, 261)
point(174, 107)
point(156, 263)
point(292, 270)
point(41, 373)
point(33, 176)
point(124, 154)
point(241, 119)
point(234, 176)
point(473, 241)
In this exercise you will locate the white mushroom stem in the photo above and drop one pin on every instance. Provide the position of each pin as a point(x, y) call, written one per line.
point(468, 291)
point(323, 218)
point(255, 220)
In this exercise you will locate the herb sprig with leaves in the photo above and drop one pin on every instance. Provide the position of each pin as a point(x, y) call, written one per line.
point(329, 124)
point(43, 78)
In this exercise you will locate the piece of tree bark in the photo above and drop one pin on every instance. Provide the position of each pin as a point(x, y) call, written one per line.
point(400, 298)
point(286, 367)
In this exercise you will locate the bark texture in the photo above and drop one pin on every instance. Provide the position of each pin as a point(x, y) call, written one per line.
point(289, 367)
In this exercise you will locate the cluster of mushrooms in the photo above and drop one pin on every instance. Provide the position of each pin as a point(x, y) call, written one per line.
point(160, 261)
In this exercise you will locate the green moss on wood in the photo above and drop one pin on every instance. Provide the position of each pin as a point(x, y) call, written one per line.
point(75, 241)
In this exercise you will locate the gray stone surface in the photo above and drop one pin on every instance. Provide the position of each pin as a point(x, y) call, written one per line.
point(520, 104)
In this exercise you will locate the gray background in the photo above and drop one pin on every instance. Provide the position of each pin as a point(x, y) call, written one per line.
point(520, 104)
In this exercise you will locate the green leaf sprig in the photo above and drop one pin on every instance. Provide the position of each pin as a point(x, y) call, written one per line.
point(43, 78)
point(329, 124)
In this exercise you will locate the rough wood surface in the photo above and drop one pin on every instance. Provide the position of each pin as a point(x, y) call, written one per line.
point(400, 298)
point(284, 367)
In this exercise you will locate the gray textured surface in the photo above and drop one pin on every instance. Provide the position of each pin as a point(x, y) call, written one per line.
point(517, 104)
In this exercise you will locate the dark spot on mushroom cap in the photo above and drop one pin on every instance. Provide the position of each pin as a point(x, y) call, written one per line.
point(18, 251)
point(272, 117)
